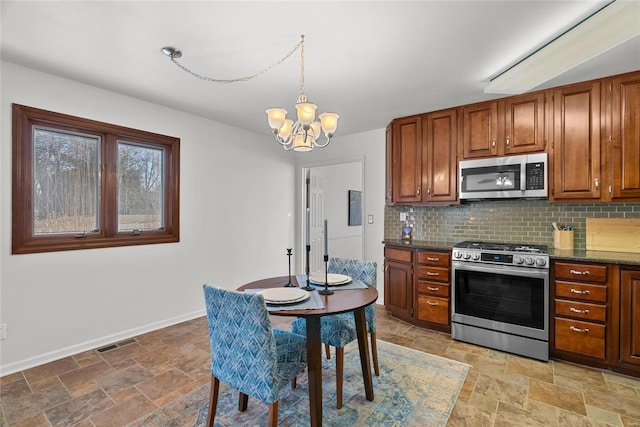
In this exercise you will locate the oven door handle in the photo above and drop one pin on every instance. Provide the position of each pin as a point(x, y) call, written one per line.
point(501, 269)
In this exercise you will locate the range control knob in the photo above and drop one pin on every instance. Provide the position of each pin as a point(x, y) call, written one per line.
point(476, 256)
point(518, 259)
point(528, 260)
point(467, 255)
point(541, 261)
point(457, 254)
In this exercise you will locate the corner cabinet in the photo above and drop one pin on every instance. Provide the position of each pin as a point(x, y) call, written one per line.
point(416, 286)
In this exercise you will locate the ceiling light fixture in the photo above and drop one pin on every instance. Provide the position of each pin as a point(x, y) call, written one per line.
point(609, 27)
point(302, 135)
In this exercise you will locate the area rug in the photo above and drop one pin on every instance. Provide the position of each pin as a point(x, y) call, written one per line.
point(413, 389)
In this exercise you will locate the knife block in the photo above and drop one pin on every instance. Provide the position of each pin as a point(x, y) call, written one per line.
point(563, 239)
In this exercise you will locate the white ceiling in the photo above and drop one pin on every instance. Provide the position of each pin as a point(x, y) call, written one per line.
point(367, 61)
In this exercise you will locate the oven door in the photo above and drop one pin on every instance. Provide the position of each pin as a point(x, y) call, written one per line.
point(513, 300)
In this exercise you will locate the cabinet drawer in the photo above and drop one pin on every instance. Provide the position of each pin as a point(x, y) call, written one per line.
point(430, 288)
point(581, 291)
point(581, 310)
point(433, 273)
point(435, 310)
point(397, 254)
point(581, 272)
point(580, 337)
point(433, 258)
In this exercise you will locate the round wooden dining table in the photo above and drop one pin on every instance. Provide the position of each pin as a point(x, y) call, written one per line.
point(341, 301)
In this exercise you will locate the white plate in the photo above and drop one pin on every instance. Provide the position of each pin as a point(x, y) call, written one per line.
point(333, 279)
point(284, 295)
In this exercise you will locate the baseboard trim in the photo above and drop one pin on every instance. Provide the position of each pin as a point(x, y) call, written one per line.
point(41, 359)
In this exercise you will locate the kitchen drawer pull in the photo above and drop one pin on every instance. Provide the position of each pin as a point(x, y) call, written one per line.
point(579, 273)
point(430, 258)
point(575, 291)
point(434, 304)
point(430, 288)
point(507, 141)
point(575, 310)
point(430, 273)
point(583, 331)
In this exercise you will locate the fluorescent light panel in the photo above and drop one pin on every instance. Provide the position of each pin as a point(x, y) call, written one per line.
point(613, 25)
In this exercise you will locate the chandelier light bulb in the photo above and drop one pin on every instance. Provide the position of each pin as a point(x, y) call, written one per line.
point(329, 123)
point(276, 117)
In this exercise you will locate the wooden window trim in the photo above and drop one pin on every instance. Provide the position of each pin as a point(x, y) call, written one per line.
point(23, 240)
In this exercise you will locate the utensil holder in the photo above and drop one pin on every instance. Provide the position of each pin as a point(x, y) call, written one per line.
point(563, 239)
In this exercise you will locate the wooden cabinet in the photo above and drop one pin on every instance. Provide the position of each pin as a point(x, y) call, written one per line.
point(479, 130)
point(524, 123)
point(398, 281)
point(576, 167)
point(432, 290)
point(629, 312)
point(580, 312)
point(406, 147)
point(440, 165)
point(388, 147)
point(624, 136)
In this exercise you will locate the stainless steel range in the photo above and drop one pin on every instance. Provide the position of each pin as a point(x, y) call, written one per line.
point(500, 297)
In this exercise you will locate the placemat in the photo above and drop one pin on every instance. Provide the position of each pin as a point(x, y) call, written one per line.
point(314, 302)
point(354, 284)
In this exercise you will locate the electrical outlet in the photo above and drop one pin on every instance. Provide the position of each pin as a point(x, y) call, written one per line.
point(3, 331)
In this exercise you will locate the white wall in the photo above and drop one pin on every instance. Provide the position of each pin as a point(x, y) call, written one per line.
point(369, 146)
point(237, 188)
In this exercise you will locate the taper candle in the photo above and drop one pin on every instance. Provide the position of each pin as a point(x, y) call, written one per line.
point(326, 238)
point(308, 226)
point(289, 230)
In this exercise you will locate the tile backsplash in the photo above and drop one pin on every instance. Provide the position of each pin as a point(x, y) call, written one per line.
point(514, 221)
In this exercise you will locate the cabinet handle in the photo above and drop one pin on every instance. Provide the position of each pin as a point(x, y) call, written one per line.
point(582, 331)
point(507, 142)
point(428, 190)
point(430, 288)
point(575, 310)
point(579, 273)
point(418, 191)
point(434, 304)
point(430, 273)
point(597, 182)
point(430, 258)
point(386, 268)
point(575, 291)
point(493, 144)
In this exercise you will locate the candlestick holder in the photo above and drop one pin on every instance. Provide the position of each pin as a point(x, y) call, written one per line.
point(289, 284)
point(306, 270)
point(326, 290)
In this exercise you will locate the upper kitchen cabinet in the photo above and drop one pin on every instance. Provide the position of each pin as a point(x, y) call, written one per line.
point(479, 130)
point(406, 160)
point(388, 144)
point(624, 136)
point(524, 123)
point(440, 133)
point(575, 173)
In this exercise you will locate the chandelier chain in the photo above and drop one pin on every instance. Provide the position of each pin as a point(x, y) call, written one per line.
point(252, 76)
point(301, 64)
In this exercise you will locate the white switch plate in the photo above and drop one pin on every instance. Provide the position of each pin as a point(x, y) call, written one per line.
point(403, 216)
point(3, 331)
point(370, 220)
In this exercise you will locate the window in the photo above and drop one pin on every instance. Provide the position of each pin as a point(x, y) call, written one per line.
point(81, 184)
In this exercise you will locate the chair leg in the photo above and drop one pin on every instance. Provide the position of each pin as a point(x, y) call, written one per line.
point(242, 402)
point(294, 382)
point(213, 400)
point(273, 414)
point(326, 349)
point(339, 375)
point(374, 354)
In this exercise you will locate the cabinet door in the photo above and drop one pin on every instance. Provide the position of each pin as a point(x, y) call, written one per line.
point(630, 317)
point(388, 191)
point(398, 288)
point(480, 130)
point(524, 123)
point(576, 142)
point(625, 136)
point(440, 130)
point(407, 160)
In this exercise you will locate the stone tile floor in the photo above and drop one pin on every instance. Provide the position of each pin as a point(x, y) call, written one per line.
point(137, 376)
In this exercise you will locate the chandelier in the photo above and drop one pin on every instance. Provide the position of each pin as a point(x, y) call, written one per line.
point(302, 135)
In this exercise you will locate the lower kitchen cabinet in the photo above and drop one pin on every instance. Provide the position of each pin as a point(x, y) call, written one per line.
point(421, 298)
point(629, 312)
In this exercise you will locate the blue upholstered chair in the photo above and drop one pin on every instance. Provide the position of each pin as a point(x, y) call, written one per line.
point(247, 353)
point(340, 329)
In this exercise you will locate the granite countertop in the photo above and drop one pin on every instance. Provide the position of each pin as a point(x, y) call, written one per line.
point(626, 258)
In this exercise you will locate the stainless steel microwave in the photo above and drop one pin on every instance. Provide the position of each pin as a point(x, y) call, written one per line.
point(504, 177)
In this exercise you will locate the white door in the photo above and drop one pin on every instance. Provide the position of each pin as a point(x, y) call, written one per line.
point(316, 206)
